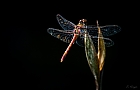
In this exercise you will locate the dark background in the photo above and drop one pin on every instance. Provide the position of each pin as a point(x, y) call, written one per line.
point(32, 56)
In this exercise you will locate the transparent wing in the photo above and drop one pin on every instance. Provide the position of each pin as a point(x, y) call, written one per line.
point(65, 36)
point(80, 41)
point(107, 30)
point(65, 24)
point(108, 42)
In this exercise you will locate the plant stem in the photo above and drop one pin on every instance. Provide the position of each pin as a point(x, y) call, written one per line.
point(101, 78)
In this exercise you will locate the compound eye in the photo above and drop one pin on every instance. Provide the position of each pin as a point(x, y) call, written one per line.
point(84, 20)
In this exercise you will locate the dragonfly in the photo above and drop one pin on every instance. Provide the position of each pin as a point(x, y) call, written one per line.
point(72, 33)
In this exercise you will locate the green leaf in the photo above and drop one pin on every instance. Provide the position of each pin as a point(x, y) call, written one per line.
point(95, 60)
point(92, 58)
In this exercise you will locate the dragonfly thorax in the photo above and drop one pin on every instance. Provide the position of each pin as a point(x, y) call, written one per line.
point(77, 31)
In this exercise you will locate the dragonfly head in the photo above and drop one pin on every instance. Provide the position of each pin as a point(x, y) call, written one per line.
point(82, 22)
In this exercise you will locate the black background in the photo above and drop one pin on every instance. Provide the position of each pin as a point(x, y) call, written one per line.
point(32, 56)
